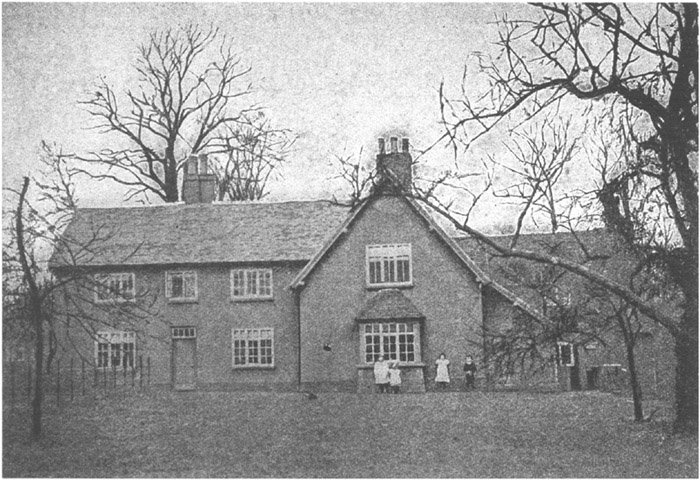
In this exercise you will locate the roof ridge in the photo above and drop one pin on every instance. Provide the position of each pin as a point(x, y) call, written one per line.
point(213, 204)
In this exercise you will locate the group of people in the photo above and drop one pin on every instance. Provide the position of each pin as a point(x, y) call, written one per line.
point(387, 375)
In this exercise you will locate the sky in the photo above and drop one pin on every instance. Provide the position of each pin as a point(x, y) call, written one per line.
point(338, 75)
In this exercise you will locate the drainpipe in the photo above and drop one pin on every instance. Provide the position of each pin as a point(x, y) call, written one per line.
point(297, 313)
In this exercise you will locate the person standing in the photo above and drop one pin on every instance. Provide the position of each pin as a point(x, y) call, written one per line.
point(442, 377)
point(395, 377)
point(381, 375)
point(469, 372)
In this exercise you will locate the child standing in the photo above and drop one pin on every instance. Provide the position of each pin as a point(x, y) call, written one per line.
point(442, 378)
point(381, 375)
point(395, 377)
point(469, 372)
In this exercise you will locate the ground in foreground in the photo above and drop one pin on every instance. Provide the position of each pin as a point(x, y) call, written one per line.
point(262, 434)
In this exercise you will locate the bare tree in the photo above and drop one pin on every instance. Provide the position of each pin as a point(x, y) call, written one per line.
point(357, 177)
point(183, 101)
point(643, 57)
point(250, 153)
point(41, 300)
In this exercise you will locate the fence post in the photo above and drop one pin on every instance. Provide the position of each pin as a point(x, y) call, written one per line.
point(148, 361)
point(82, 375)
point(133, 375)
point(58, 383)
point(71, 379)
point(140, 372)
point(104, 377)
point(29, 381)
point(12, 383)
point(124, 366)
point(114, 375)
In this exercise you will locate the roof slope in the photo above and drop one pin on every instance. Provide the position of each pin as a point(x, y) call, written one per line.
point(198, 233)
point(521, 276)
point(388, 304)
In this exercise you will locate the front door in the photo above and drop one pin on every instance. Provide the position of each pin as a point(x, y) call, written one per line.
point(184, 361)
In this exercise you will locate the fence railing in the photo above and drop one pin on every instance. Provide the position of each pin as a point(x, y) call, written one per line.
point(70, 379)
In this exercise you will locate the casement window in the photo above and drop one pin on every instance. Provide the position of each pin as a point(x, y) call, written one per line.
point(181, 286)
point(394, 341)
point(253, 347)
point(114, 287)
point(115, 349)
point(183, 333)
point(251, 284)
point(565, 354)
point(389, 265)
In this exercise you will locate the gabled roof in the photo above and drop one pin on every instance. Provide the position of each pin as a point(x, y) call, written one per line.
point(198, 233)
point(388, 304)
point(480, 275)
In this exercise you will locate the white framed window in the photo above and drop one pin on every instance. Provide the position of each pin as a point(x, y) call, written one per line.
point(253, 347)
point(114, 287)
point(393, 341)
point(565, 354)
point(389, 265)
point(115, 349)
point(251, 284)
point(181, 286)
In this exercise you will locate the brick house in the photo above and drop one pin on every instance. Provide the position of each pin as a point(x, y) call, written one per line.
point(283, 295)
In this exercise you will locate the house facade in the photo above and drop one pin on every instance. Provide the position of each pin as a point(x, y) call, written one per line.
point(281, 295)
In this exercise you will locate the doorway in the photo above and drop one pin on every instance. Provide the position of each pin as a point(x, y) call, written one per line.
point(184, 358)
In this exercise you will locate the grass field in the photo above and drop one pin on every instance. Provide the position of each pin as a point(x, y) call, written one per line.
point(219, 434)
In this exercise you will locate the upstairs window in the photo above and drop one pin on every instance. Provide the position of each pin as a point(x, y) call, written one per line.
point(389, 265)
point(253, 347)
point(115, 349)
point(181, 286)
point(251, 284)
point(114, 287)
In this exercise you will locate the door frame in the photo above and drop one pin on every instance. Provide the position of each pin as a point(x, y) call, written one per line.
point(183, 334)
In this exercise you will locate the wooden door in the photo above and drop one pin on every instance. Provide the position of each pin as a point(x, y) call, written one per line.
point(184, 363)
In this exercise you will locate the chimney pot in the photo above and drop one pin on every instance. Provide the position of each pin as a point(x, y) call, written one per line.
point(382, 146)
point(404, 145)
point(394, 144)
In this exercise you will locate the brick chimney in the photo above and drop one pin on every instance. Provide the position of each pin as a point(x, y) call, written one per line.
point(199, 184)
point(394, 168)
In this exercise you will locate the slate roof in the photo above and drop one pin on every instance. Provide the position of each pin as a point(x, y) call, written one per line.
point(198, 233)
point(388, 304)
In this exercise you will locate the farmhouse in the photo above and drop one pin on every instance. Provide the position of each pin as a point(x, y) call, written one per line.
point(294, 294)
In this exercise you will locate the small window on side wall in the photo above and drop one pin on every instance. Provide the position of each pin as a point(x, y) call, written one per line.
point(565, 354)
point(181, 286)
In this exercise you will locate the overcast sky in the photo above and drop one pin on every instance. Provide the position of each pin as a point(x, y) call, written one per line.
point(338, 75)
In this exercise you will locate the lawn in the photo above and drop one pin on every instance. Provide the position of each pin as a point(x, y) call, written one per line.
point(262, 434)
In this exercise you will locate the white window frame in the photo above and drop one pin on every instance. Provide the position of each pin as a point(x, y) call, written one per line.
point(112, 344)
point(250, 356)
point(241, 286)
point(560, 357)
point(185, 274)
point(105, 279)
point(384, 332)
point(183, 333)
point(382, 263)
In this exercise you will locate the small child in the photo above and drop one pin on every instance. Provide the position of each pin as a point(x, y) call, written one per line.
point(395, 377)
point(469, 372)
point(381, 375)
point(442, 377)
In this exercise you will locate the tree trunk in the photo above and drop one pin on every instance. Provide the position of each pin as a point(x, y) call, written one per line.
point(687, 371)
point(634, 381)
point(39, 378)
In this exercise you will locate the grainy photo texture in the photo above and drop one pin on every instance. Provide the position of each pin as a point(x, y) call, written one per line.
point(350, 240)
